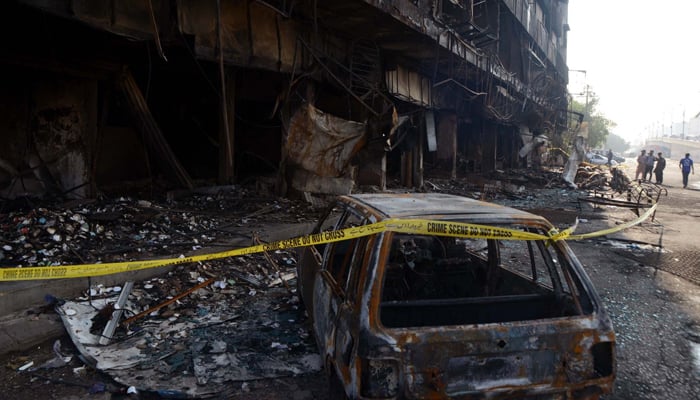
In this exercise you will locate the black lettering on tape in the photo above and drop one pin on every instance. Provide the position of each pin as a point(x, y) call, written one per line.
point(434, 227)
point(9, 274)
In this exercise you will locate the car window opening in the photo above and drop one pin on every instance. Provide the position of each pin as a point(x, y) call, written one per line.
point(435, 281)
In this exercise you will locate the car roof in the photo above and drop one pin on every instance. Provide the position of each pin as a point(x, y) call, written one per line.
point(438, 206)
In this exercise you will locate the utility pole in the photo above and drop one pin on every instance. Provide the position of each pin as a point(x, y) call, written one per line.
point(585, 86)
point(683, 128)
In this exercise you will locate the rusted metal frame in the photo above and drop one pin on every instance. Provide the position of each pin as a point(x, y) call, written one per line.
point(636, 205)
point(279, 102)
point(338, 80)
point(651, 192)
point(353, 278)
point(611, 202)
point(149, 128)
point(165, 303)
point(492, 71)
point(570, 283)
point(317, 255)
point(659, 190)
point(312, 51)
point(636, 196)
point(451, 73)
point(532, 261)
point(345, 264)
point(552, 269)
point(464, 87)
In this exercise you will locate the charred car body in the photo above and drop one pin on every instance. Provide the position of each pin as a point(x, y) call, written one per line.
point(400, 315)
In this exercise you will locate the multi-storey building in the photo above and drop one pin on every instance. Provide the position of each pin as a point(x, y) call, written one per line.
point(318, 96)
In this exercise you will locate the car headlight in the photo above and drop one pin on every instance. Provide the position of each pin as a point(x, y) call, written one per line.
point(380, 378)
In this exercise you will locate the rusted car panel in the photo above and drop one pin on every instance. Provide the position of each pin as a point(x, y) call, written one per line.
point(425, 316)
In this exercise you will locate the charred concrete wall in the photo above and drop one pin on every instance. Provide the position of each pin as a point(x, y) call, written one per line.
point(47, 133)
point(215, 87)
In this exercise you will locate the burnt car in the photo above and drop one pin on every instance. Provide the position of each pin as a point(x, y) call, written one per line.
point(431, 315)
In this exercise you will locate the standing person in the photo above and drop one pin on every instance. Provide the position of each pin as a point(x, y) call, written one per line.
point(686, 165)
point(649, 165)
point(641, 162)
point(610, 157)
point(659, 171)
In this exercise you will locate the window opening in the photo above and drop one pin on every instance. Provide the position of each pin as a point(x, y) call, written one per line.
point(432, 281)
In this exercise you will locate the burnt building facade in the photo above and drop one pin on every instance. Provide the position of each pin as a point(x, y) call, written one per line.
point(306, 95)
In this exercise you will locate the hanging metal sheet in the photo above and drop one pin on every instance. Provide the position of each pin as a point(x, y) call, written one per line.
point(430, 130)
point(322, 143)
point(409, 86)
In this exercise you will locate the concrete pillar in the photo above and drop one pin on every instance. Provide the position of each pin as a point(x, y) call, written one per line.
point(407, 159)
point(371, 169)
point(418, 162)
point(62, 133)
point(371, 162)
point(489, 138)
point(447, 142)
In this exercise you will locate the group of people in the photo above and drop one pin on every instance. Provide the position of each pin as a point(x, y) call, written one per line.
point(648, 163)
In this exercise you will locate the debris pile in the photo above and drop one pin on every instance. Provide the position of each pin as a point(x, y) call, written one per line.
point(193, 331)
point(238, 326)
point(241, 322)
point(591, 177)
point(121, 229)
point(515, 184)
point(620, 182)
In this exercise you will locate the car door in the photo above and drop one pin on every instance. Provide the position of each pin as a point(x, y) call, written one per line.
point(311, 257)
point(331, 281)
point(347, 326)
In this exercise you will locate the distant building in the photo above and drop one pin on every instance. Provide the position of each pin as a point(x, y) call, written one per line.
point(692, 131)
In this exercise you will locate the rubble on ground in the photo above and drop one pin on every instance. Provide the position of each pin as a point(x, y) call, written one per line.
point(229, 330)
point(126, 228)
point(244, 323)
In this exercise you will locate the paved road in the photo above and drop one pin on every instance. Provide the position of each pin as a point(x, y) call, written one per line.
point(656, 314)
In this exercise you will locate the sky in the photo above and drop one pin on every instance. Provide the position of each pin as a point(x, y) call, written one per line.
point(640, 57)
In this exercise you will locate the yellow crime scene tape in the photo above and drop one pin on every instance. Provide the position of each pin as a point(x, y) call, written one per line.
point(415, 226)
